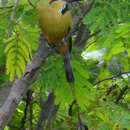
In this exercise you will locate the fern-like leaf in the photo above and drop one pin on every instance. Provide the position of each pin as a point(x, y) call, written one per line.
point(18, 52)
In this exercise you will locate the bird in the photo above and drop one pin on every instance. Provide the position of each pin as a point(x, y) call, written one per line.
point(55, 21)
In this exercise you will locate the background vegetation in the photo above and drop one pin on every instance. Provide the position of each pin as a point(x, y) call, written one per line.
point(101, 64)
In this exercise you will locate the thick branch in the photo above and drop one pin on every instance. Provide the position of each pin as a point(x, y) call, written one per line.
point(48, 113)
point(4, 92)
point(21, 85)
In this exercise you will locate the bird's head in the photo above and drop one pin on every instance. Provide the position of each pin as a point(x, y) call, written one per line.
point(60, 6)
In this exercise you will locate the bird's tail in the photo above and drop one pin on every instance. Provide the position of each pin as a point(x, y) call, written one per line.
point(68, 67)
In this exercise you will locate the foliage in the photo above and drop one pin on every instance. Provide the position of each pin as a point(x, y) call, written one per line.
point(107, 14)
point(18, 52)
point(18, 49)
point(100, 104)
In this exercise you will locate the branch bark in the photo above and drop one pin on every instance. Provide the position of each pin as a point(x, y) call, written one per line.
point(48, 113)
point(4, 92)
point(21, 85)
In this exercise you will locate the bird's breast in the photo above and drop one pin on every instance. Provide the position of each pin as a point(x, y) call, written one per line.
point(54, 25)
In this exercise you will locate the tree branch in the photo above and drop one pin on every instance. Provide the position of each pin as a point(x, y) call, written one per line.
point(4, 3)
point(4, 92)
point(76, 26)
point(21, 85)
point(12, 16)
point(6, 7)
point(82, 36)
point(112, 77)
point(13, 11)
point(31, 4)
point(48, 112)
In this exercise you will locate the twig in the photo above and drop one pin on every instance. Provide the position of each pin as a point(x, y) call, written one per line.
point(4, 2)
point(13, 11)
point(21, 85)
point(95, 33)
point(77, 106)
point(109, 90)
point(6, 7)
point(28, 100)
point(31, 4)
point(112, 77)
point(89, 44)
point(80, 122)
point(31, 113)
point(12, 16)
point(121, 94)
point(75, 28)
point(70, 108)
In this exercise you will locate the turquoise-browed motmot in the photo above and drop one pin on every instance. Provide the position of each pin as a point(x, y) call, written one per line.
point(56, 21)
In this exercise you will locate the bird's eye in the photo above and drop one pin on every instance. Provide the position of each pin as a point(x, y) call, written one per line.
point(63, 9)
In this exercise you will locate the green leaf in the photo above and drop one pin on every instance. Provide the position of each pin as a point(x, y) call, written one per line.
point(80, 69)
